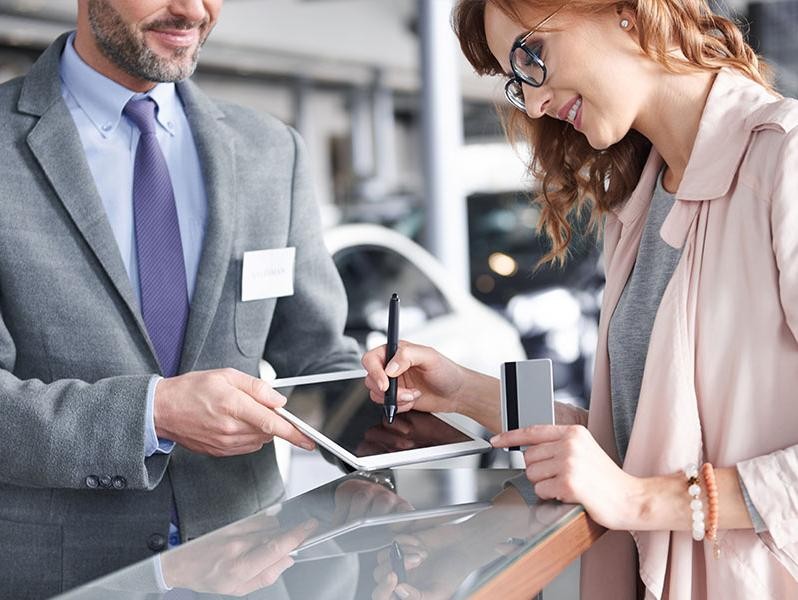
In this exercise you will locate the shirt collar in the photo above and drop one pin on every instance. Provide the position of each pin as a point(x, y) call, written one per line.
point(103, 99)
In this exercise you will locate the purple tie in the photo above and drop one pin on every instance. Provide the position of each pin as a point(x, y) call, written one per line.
point(162, 270)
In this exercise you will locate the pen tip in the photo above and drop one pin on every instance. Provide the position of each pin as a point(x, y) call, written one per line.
point(395, 296)
point(390, 413)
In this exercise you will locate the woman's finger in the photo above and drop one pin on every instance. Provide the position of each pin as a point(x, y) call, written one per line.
point(409, 355)
point(405, 398)
point(385, 588)
point(540, 471)
point(374, 363)
point(550, 489)
point(528, 436)
point(540, 452)
point(408, 592)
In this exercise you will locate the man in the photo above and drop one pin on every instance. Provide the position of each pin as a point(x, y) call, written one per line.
point(132, 209)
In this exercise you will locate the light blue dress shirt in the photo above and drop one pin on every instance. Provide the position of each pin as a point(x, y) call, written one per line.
point(109, 140)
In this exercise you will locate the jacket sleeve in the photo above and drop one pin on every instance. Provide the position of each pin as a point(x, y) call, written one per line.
point(69, 433)
point(306, 335)
point(772, 480)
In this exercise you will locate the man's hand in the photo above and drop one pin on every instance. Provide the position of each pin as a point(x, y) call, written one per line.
point(222, 412)
point(235, 561)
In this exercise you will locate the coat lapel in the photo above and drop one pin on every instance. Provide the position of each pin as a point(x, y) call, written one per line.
point(55, 143)
point(622, 233)
point(217, 157)
point(631, 218)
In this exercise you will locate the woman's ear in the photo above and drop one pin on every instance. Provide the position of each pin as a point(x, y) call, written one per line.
point(625, 16)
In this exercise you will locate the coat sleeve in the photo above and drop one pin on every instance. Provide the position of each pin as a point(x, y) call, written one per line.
point(61, 434)
point(772, 480)
point(306, 336)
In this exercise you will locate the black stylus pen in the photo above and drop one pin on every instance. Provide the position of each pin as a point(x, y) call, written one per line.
point(398, 562)
point(393, 342)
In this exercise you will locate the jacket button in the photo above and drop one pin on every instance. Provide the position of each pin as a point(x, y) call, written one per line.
point(119, 482)
point(105, 481)
point(92, 481)
point(156, 542)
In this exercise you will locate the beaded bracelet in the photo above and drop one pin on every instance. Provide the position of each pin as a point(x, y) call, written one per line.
point(708, 474)
point(696, 506)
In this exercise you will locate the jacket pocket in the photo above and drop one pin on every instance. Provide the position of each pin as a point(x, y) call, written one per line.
point(31, 560)
point(252, 325)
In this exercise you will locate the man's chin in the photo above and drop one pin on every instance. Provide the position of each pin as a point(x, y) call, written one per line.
point(170, 67)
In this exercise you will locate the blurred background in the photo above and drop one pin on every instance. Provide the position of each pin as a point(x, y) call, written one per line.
point(420, 193)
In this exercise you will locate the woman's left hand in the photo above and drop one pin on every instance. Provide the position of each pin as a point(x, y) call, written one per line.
point(565, 462)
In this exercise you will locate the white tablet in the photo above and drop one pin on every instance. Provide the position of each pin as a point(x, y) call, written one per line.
point(334, 409)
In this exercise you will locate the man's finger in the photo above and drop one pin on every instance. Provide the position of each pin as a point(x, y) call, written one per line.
point(285, 430)
point(249, 443)
point(279, 547)
point(528, 436)
point(268, 576)
point(256, 388)
point(269, 422)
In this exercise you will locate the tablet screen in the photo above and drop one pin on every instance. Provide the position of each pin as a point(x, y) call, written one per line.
point(343, 411)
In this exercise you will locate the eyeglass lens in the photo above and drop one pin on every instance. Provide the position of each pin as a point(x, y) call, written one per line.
point(515, 94)
point(527, 64)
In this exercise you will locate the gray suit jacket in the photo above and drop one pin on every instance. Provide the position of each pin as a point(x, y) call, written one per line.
point(75, 357)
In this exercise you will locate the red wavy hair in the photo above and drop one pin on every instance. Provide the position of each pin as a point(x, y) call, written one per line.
point(573, 176)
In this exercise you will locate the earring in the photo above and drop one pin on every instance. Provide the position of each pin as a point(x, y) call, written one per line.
point(624, 23)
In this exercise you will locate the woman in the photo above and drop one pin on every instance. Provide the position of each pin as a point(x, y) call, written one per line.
point(656, 117)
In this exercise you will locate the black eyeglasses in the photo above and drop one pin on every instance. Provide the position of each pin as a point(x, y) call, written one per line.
point(527, 66)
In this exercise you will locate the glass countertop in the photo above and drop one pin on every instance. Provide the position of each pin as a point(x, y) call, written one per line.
point(445, 532)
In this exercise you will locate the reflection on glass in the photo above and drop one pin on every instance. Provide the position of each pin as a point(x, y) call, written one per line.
point(343, 540)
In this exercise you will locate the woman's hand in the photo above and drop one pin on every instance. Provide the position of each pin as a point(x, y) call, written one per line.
point(564, 462)
point(568, 414)
point(430, 382)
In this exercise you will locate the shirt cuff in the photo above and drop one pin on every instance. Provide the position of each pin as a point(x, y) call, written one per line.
point(152, 444)
point(756, 518)
point(159, 580)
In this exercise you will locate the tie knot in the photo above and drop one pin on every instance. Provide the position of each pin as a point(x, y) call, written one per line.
point(142, 113)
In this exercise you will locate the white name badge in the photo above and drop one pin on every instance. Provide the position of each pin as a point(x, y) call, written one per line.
point(267, 274)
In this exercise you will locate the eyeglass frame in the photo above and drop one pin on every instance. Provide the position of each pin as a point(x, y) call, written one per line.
point(519, 77)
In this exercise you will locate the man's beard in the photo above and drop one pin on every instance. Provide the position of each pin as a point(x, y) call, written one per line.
point(126, 48)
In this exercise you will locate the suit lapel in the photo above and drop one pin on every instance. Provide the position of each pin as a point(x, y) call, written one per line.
point(55, 143)
point(217, 157)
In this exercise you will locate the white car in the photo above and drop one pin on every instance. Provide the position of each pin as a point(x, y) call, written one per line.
point(374, 262)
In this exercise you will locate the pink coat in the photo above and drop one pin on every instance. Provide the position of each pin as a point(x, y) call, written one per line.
point(721, 376)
